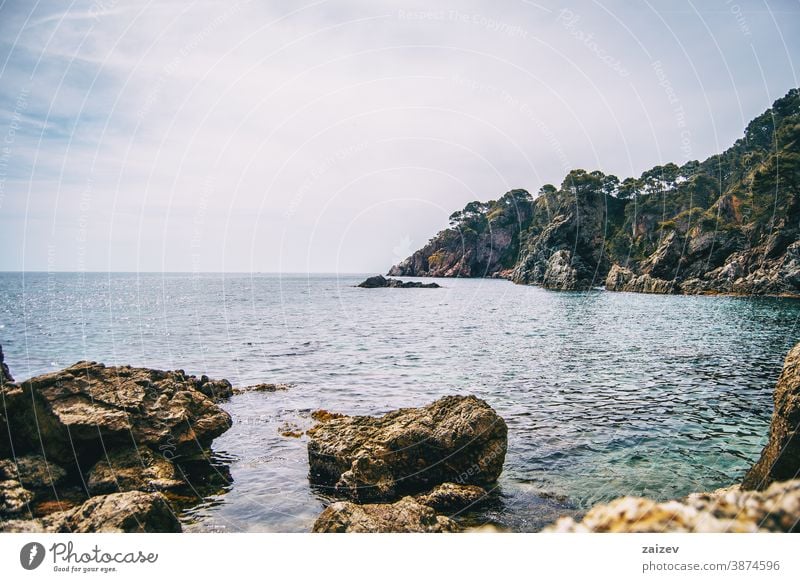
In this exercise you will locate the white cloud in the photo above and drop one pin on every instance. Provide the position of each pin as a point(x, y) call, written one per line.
point(316, 137)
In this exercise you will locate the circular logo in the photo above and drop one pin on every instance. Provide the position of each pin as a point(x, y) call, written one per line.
point(31, 555)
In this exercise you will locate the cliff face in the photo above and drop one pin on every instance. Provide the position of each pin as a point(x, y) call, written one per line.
point(729, 224)
point(482, 241)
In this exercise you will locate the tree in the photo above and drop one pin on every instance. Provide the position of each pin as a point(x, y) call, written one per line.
point(581, 183)
point(630, 188)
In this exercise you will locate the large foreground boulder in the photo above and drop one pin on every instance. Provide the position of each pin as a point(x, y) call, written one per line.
point(775, 510)
point(86, 409)
point(780, 459)
point(406, 515)
point(458, 439)
point(129, 512)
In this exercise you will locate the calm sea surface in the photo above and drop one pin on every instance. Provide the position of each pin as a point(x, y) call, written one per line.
point(604, 394)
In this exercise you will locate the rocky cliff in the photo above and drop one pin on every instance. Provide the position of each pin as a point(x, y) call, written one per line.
point(729, 224)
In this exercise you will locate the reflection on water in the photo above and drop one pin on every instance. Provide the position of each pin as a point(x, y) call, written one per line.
point(604, 393)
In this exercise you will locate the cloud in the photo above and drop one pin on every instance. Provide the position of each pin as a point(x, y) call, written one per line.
point(324, 136)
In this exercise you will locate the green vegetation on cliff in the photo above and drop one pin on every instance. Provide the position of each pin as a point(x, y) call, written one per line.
point(727, 224)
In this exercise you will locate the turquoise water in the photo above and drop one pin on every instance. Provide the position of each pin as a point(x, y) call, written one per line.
point(605, 394)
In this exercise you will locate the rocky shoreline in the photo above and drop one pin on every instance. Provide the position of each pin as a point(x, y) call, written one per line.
point(93, 448)
point(119, 449)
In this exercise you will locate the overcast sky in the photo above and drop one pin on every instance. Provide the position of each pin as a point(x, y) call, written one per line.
point(337, 136)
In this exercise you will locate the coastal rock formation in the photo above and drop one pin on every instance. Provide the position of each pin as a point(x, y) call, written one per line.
point(564, 247)
point(32, 471)
point(130, 512)
point(132, 469)
point(80, 411)
point(449, 497)
point(405, 515)
point(458, 439)
point(482, 241)
point(780, 459)
point(100, 423)
point(622, 279)
point(381, 281)
point(775, 510)
point(729, 224)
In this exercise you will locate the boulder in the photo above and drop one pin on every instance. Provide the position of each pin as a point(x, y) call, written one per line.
point(780, 459)
point(132, 469)
point(216, 390)
point(374, 282)
point(81, 411)
point(775, 510)
point(132, 511)
point(32, 471)
point(450, 497)
point(14, 498)
point(458, 439)
point(406, 515)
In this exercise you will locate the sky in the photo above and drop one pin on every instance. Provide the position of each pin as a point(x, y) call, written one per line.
point(338, 136)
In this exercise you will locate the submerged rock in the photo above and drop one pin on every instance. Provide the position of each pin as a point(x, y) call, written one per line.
point(80, 411)
point(381, 281)
point(458, 439)
point(406, 515)
point(32, 471)
point(775, 510)
point(132, 469)
point(780, 459)
point(265, 387)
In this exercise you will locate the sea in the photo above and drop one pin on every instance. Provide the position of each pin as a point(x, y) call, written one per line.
point(605, 394)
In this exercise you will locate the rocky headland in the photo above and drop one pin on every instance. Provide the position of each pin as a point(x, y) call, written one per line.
point(93, 448)
point(729, 224)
